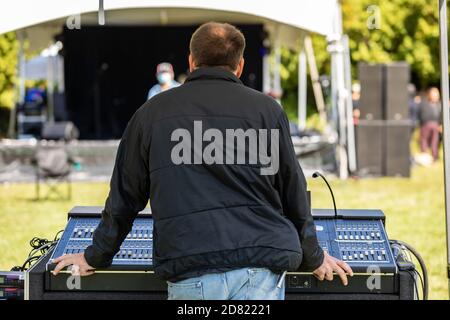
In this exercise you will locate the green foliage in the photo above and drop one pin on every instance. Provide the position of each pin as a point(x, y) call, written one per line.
point(289, 83)
point(408, 30)
point(8, 64)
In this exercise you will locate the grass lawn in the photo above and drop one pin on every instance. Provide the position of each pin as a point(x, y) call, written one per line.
point(414, 209)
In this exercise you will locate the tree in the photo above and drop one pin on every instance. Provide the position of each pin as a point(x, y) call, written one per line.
point(407, 30)
point(8, 68)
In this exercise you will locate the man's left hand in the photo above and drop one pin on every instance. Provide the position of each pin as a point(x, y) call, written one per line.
point(77, 261)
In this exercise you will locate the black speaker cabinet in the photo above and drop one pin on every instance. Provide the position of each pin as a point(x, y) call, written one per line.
point(396, 94)
point(371, 100)
point(370, 147)
point(383, 147)
point(398, 153)
point(384, 92)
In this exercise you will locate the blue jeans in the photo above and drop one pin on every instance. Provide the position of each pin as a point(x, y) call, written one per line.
point(239, 284)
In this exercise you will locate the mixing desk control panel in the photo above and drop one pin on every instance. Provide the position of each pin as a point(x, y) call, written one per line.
point(135, 251)
point(360, 240)
point(355, 236)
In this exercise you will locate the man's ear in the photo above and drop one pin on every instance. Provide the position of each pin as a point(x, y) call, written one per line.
point(192, 65)
point(240, 68)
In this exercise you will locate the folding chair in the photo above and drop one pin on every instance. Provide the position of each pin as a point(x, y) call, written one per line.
point(53, 166)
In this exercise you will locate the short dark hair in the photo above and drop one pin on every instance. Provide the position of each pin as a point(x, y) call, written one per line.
point(217, 44)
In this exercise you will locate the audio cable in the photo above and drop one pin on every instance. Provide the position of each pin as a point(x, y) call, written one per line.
point(406, 249)
point(39, 247)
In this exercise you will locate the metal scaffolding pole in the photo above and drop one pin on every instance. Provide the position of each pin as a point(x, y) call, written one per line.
point(351, 147)
point(338, 91)
point(314, 73)
point(445, 119)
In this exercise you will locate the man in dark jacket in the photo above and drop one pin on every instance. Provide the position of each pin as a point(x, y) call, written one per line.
point(228, 196)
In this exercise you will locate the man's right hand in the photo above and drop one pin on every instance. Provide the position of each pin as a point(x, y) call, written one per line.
point(331, 264)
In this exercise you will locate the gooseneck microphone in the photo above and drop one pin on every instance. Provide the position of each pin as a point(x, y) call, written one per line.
point(318, 174)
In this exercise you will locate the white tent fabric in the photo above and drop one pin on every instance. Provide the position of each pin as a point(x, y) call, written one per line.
point(311, 15)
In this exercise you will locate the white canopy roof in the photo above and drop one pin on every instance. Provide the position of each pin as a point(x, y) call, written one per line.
point(44, 18)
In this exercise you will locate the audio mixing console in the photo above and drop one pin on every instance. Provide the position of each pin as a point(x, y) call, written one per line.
point(355, 236)
point(361, 240)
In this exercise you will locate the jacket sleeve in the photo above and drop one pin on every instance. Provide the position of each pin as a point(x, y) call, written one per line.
point(291, 184)
point(128, 195)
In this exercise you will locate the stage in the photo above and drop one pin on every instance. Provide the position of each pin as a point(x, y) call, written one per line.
point(95, 158)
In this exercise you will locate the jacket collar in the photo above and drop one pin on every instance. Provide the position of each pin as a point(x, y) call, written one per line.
point(213, 73)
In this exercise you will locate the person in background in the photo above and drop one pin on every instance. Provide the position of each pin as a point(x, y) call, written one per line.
point(36, 94)
point(356, 96)
point(165, 77)
point(429, 119)
point(414, 101)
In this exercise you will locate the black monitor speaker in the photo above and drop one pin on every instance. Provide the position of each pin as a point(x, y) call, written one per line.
point(59, 131)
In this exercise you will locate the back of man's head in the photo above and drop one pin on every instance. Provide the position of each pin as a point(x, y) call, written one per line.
point(217, 44)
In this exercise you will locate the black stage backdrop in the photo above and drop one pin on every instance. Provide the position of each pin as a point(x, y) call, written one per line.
point(109, 70)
